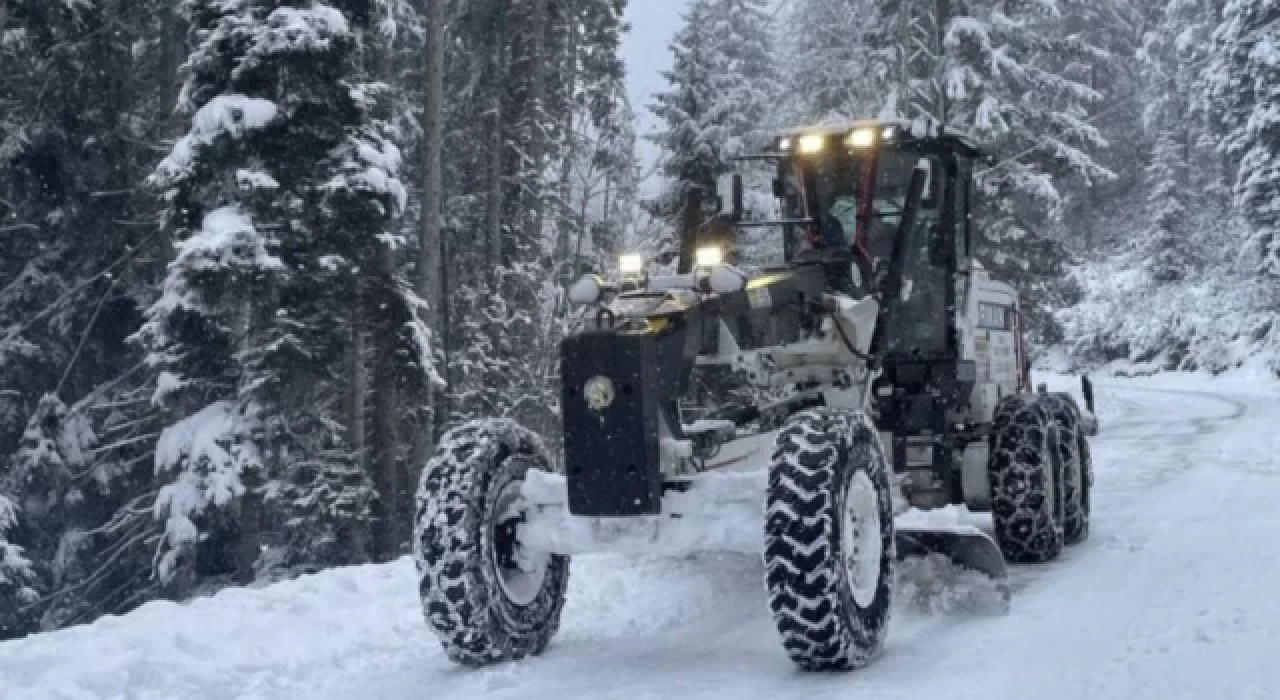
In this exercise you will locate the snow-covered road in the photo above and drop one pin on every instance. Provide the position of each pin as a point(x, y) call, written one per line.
point(1176, 595)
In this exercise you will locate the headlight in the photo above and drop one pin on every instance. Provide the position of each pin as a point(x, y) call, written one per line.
point(631, 264)
point(709, 256)
point(784, 144)
point(862, 138)
point(813, 143)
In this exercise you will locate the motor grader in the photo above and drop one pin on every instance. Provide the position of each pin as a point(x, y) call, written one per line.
point(808, 413)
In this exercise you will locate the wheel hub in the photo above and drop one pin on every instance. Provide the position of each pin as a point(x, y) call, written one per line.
point(861, 545)
point(520, 572)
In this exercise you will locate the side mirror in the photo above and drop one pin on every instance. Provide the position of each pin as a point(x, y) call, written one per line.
point(738, 210)
point(731, 185)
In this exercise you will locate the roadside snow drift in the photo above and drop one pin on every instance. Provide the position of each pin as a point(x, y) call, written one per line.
point(1174, 596)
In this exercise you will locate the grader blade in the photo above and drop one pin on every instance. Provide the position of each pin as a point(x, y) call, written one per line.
point(966, 547)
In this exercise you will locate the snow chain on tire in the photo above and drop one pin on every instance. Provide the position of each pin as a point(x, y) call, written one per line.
point(821, 458)
point(1025, 480)
point(1073, 451)
point(458, 547)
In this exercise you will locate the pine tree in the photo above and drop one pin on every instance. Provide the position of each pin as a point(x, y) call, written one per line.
point(1243, 94)
point(1165, 252)
point(834, 70)
point(721, 91)
point(282, 195)
point(1009, 76)
point(18, 579)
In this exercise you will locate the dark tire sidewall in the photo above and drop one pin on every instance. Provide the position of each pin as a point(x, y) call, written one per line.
point(462, 597)
point(849, 635)
point(1074, 453)
point(1024, 460)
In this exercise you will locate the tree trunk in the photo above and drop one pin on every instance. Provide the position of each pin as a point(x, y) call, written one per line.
point(430, 260)
point(493, 218)
point(249, 545)
point(387, 470)
point(358, 386)
point(537, 116)
point(690, 218)
point(171, 61)
point(387, 477)
point(570, 152)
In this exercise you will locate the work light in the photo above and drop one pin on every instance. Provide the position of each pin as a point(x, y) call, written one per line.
point(813, 143)
point(631, 264)
point(709, 256)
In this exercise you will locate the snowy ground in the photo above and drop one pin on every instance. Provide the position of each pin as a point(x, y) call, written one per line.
point(1174, 596)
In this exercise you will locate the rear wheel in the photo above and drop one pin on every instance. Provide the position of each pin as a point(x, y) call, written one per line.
point(829, 540)
point(1026, 503)
point(488, 598)
point(1073, 455)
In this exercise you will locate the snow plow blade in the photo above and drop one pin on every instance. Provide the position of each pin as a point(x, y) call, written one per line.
point(966, 547)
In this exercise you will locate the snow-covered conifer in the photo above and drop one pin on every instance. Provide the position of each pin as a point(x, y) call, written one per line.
point(718, 104)
point(281, 197)
point(1243, 95)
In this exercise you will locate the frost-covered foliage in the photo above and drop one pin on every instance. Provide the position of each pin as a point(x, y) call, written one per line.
point(539, 186)
point(1212, 319)
point(1167, 241)
point(38, 494)
point(1192, 284)
point(833, 70)
point(276, 288)
point(18, 579)
point(206, 457)
point(282, 200)
point(1243, 95)
point(1015, 77)
point(719, 103)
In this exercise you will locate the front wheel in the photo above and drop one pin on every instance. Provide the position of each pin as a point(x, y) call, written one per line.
point(829, 540)
point(488, 598)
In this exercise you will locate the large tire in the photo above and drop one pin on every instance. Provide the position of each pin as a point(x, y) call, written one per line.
point(1025, 477)
point(829, 540)
point(486, 598)
point(1073, 455)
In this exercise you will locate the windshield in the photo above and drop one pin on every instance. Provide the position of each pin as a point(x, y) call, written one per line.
point(855, 208)
point(832, 190)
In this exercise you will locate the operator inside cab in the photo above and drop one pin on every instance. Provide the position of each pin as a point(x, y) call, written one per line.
point(853, 201)
point(829, 189)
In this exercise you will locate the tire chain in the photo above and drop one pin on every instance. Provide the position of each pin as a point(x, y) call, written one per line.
point(461, 595)
point(1026, 524)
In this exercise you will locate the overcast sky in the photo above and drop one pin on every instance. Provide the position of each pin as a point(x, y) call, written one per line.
point(653, 23)
point(645, 51)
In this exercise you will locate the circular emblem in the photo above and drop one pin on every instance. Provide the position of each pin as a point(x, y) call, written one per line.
point(599, 393)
